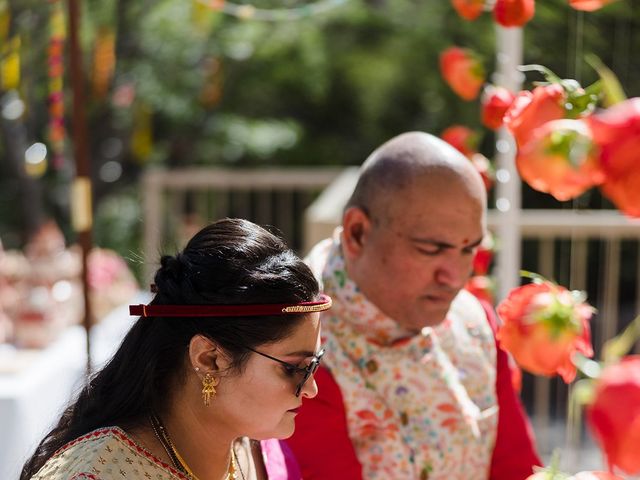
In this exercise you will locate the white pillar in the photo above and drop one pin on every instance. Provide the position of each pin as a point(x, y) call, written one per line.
point(508, 185)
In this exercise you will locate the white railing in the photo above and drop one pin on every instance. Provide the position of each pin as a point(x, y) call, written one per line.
point(175, 201)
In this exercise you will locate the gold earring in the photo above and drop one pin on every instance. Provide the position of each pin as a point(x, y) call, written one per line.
point(209, 383)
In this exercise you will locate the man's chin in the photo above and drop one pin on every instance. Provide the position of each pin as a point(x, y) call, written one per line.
point(427, 319)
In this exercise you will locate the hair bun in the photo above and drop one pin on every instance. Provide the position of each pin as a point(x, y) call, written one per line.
point(171, 274)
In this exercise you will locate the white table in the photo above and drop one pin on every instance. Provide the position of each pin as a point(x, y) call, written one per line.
point(33, 396)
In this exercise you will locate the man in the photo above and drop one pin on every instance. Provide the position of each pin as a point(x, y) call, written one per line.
point(413, 384)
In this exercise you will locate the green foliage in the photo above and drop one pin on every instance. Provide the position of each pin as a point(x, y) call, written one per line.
point(320, 90)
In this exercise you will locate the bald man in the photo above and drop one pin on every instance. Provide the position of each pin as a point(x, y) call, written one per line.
point(414, 385)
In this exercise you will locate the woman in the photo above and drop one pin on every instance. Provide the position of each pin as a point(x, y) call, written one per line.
point(226, 351)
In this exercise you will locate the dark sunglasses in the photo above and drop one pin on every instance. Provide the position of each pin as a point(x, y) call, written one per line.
point(306, 372)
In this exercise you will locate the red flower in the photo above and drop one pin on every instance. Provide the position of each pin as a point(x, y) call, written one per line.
point(482, 287)
point(544, 325)
point(530, 110)
point(513, 13)
point(468, 9)
point(495, 102)
point(614, 415)
point(616, 131)
point(483, 165)
point(462, 71)
point(589, 5)
point(482, 259)
point(559, 158)
point(462, 138)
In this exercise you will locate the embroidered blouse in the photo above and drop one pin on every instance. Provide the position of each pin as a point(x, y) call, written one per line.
point(109, 453)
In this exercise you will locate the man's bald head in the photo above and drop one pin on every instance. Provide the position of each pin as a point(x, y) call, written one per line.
point(412, 226)
point(405, 159)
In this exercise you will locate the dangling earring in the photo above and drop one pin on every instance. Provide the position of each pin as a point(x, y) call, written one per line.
point(208, 388)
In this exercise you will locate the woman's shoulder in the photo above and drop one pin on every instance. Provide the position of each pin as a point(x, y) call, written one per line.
point(104, 454)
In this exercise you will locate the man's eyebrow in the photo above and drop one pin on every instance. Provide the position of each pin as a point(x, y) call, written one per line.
point(445, 245)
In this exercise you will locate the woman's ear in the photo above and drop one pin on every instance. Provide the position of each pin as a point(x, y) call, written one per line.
point(206, 356)
point(356, 227)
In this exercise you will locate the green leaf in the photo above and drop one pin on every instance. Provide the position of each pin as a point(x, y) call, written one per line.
point(611, 87)
point(620, 345)
point(548, 74)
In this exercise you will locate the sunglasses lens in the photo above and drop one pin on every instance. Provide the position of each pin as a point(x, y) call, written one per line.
point(301, 384)
point(310, 370)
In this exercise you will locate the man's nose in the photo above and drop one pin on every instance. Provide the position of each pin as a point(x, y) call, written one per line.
point(454, 271)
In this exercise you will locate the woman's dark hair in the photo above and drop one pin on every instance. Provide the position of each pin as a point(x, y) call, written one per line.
point(231, 261)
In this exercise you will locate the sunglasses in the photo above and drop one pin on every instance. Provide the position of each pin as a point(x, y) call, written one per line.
point(306, 372)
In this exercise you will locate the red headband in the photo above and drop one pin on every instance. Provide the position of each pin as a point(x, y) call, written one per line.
point(324, 303)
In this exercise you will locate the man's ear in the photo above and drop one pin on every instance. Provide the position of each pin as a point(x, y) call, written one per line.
point(206, 356)
point(356, 228)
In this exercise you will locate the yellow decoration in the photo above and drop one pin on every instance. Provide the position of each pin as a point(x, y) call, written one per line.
point(10, 65)
point(57, 23)
point(5, 20)
point(81, 213)
point(201, 16)
point(142, 136)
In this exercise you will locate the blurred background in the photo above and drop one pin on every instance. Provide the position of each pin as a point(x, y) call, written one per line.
point(199, 109)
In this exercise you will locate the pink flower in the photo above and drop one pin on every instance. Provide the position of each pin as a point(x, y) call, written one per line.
point(616, 131)
point(464, 139)
point(560, 158)
point(544, 325)
point(468, 9)
point(463, 71)
point(614, 416)
point(530, 110)
point(495, 103)
point(513, 13)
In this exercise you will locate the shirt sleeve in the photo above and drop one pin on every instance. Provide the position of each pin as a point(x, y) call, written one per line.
point(321, 442)
point(514, 454)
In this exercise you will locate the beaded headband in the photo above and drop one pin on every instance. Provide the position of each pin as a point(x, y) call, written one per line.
point(324, 303)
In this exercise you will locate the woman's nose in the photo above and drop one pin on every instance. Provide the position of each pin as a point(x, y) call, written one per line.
point(310, 388)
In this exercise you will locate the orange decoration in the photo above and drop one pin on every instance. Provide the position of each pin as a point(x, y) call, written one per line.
point(495, 103)
point(513, 13)
point(530, 110)
point(589, 5)
point(614, 416)
point(616, 131)
point(468, 9)
point(560, 159)
point(544, 325)
point(104, 61)
point(462, 71)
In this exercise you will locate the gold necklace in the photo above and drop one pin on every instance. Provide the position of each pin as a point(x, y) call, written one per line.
point(178, 462)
